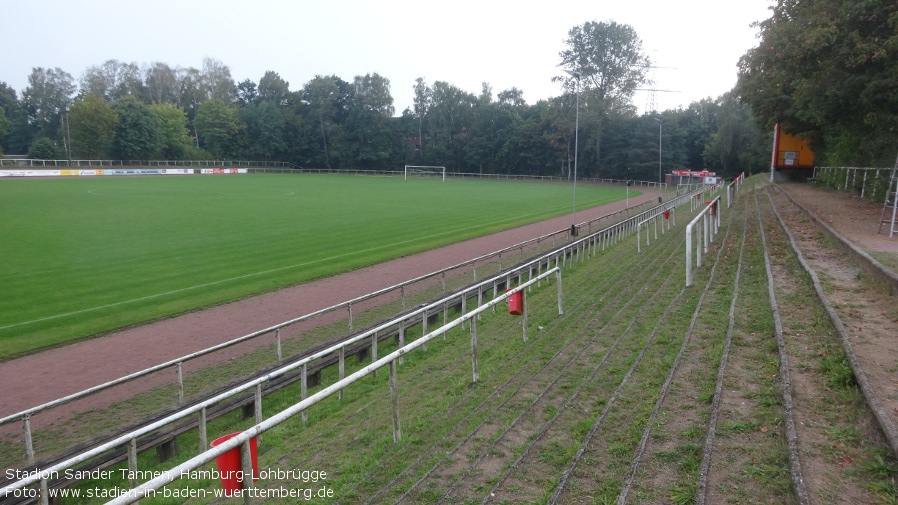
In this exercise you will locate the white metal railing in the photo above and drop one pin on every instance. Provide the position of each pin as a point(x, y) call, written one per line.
point(45, 474)
point(604, 237)
point(571, 251)
point(670, 218)
point(242, 440)
point(733, 187)
point(868, 182)
point(178, 363)
point(710, 218)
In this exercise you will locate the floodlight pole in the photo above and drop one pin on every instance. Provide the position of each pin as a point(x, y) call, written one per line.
point(659, 151)
point(576, 75)
point(628, 191)
point(67, 139)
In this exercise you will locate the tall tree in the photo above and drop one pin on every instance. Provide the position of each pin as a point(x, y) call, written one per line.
point(191, 95)
point(162, 84)
point(451, 115)
point(219, 128)
point(45, 99)
point(265, 127)
point(217, 81)
point(4, 127)
point(113, 80)
point(247, 93)
point(18, 137)
point(273, 88)
point(325, 96)
point(423, 100)
point(92, 124)
point(825, 70)
point(608, 63)
point(368, 122)
point(737, 143)
point(512, 96)
point(175, 138)
point(138, 134)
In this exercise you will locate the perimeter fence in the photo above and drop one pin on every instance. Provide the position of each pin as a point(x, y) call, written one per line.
point(869, 183)
point(27, 167)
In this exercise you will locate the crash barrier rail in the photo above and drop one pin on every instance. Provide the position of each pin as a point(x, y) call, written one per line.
point(501, 256)
point(44, 476)
point(568, 253)
point(710, 218)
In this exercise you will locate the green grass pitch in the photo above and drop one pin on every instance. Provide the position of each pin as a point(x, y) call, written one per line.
point(81, 256)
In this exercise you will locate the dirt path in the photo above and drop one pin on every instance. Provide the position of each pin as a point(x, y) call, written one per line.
point(42, 377)
point(854, 218)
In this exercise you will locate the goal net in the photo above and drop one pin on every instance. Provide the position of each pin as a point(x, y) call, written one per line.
point(424, 171)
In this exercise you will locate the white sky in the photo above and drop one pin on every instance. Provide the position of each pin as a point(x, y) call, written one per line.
point(463, 42)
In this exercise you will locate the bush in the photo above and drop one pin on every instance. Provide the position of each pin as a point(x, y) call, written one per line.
point(45, 149)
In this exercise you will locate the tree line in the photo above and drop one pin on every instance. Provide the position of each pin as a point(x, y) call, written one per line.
point(121, 110)
point(825, 70)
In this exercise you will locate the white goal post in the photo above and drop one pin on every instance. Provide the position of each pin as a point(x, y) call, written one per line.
point(425, 171)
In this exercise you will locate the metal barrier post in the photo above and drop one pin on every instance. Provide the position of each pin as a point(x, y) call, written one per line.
point(394, 400)
point(29, 441)
point(474, 365)
point(180, 384)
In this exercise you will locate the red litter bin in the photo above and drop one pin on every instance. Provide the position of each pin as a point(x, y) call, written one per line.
point(516, 303)
point(230, 467)
point(713, 209)
point(666, 214)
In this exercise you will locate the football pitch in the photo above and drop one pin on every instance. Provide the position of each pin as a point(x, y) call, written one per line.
point(81, 256)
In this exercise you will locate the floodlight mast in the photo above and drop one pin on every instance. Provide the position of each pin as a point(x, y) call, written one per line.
point(659, 150)
point(575, 75)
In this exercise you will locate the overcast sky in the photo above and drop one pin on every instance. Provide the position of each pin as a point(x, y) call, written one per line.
point(463, 42)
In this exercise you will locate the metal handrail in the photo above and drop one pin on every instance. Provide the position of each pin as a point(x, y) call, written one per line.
point(712, 210)
point(244, 437)
point(127, 437)
point(616, 231)
point(346, 304)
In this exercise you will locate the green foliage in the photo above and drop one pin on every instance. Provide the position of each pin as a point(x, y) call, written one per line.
point(332, 123)
point(737, 145)
point(219, 128)
point(608, 58)
point(138, 134)
point(326, 97)
point(829, 78)
point(45, 149)
point(92, 127)
point(368, 121)
point(18, 137)
point(273, 89)
point(605, 64)
point(265, 129)
point(192, 152)
point(4, 127)
point(175, 138)
point(46, 98)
